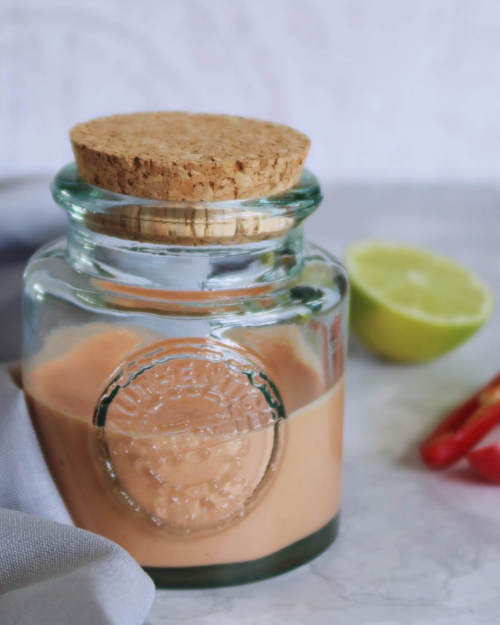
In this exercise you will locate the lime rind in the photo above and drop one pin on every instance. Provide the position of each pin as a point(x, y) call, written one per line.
point(414, 312)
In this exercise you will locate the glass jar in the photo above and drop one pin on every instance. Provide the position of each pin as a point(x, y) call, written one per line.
point(186, 377)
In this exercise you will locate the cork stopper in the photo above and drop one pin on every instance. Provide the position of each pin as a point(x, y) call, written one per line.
point(188, 157)
point(189, 225)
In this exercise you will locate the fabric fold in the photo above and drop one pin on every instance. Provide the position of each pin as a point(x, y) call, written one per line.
point(50, 571)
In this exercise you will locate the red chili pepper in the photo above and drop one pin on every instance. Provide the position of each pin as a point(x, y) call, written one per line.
point(486, 461)
point(463, 428)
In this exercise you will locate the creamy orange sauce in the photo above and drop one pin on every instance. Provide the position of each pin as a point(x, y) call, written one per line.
point(178, 499)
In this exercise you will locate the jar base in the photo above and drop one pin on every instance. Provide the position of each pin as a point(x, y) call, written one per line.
point(217, 575)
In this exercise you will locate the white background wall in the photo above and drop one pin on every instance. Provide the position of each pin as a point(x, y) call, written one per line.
point(387, 89)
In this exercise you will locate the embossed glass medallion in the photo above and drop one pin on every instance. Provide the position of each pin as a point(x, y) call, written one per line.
point(190, 433)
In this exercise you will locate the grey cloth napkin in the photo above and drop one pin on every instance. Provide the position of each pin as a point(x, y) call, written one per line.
point(50, 571)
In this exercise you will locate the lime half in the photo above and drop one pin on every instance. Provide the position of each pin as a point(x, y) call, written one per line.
point(411, 305)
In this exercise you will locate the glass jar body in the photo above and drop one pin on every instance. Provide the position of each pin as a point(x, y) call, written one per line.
point(201, 431)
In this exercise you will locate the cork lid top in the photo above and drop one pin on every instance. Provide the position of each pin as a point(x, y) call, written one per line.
point(183, 156)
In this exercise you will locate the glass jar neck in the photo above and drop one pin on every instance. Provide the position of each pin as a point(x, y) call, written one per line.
point(186, 268)
point(185, 246)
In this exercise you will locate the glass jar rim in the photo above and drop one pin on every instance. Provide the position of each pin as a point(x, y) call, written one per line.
point(158, 220)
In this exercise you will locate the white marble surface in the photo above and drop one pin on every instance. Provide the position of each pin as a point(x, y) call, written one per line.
point(415, 548)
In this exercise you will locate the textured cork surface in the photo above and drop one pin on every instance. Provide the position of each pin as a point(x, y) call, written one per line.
point(184, 156)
